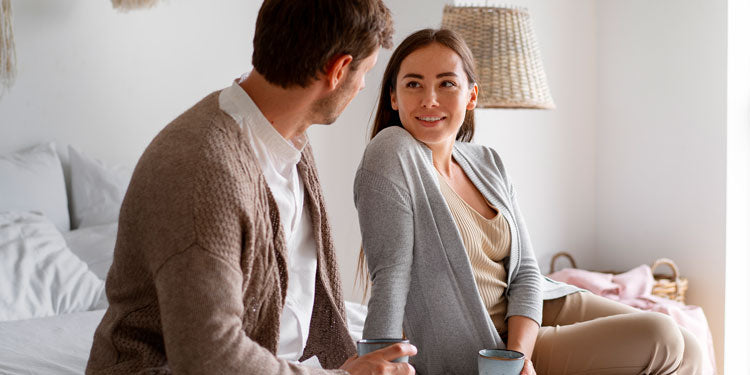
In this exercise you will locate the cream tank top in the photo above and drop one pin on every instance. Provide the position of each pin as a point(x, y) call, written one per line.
point(487, 243)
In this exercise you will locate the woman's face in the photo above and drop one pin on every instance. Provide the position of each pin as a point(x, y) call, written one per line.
point(432, 94)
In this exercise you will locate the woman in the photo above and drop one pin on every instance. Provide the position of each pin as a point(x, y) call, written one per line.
point(449, 257)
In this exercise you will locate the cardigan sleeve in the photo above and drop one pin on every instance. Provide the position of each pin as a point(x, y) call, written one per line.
point(386, 223)
point(524, 292)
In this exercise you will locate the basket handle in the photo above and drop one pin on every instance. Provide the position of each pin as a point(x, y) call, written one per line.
point(558, 255)
point(670, 263)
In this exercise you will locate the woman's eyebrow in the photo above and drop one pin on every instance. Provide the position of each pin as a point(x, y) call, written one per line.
point(419, 76)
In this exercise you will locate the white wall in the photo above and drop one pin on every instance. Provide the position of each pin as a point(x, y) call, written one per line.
point(108, 82)
point(661, 142)
point(737, 340)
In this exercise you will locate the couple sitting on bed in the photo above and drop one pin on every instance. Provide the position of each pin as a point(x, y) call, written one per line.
point(224, 261)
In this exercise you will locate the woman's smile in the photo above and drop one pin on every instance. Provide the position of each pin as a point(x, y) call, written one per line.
point(430, 121)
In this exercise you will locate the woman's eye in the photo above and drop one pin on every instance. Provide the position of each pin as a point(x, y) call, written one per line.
point(412, 84)
point(449, 84)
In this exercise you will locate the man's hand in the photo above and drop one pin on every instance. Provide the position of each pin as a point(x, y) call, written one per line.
point(379, 361)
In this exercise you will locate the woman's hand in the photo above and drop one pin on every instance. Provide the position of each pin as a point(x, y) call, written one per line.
point(528, 367)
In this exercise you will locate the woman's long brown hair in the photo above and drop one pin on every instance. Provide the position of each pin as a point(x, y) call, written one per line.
point(386, 116)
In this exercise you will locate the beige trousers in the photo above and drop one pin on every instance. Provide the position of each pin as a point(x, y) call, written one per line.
point(583, 333)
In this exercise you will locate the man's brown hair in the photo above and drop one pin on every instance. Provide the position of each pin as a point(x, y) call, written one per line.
point(295, 39)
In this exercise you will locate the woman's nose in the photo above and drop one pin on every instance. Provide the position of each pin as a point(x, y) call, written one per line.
point(429, 99)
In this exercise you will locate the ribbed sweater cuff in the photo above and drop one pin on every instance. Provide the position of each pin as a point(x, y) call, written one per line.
point(533, 314)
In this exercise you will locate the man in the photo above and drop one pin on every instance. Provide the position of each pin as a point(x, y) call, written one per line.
point(224, 262)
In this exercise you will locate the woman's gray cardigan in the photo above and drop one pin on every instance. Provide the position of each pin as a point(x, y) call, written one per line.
point(422, 281)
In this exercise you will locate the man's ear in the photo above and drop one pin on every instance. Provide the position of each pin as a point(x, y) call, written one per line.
point(473, 95)
point(335, 70)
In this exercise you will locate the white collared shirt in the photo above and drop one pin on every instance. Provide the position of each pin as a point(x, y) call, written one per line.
point(278, 159)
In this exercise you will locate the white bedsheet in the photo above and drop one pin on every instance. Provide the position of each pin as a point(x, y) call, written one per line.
point(60, 345)
point(95, 246)
point(53, 345)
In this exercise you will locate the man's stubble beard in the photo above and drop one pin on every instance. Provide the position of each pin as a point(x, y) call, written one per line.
point(326, 110)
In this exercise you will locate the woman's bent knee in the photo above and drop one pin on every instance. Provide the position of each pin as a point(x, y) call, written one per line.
point(666, 339)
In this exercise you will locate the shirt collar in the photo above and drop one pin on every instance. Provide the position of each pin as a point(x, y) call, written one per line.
point(237, 104)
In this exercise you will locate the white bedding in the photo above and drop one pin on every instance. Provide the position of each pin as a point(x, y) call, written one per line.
point(60, 344)
point(95, 246)
point(39, 275)
point(55, 345)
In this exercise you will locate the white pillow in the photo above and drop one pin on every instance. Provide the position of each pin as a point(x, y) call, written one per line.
point(95, 246)
point(39, 275)
point(32, 180)
point(97, 190)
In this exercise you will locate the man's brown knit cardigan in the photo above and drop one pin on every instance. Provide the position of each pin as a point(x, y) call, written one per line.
point(199, 274)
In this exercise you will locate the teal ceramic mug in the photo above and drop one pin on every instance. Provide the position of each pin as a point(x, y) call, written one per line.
point(500, 362)
point(365, 346)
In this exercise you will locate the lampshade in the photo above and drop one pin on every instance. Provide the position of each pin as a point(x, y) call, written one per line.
point(507, 56)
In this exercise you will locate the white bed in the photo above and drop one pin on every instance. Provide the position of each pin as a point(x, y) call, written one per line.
point(53, 345)
point(60, 344)
point(52, 278)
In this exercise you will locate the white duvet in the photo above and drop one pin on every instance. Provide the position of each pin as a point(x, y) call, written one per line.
point(57, 345)
point(39, 275)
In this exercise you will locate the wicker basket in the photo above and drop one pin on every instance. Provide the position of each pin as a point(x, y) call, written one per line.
point(669, 286)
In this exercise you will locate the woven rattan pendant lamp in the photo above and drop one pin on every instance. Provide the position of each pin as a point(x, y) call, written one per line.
point(507, 56)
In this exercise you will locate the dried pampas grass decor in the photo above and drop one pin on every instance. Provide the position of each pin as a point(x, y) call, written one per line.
point(126, 5)
point(7, 47)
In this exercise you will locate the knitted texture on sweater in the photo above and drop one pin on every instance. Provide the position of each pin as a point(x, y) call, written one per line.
point(199, 275)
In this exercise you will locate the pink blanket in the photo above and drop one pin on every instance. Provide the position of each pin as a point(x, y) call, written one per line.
point(634, 288)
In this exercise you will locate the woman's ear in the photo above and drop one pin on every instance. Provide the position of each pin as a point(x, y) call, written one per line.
point(394, 102)
point(473, 95)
